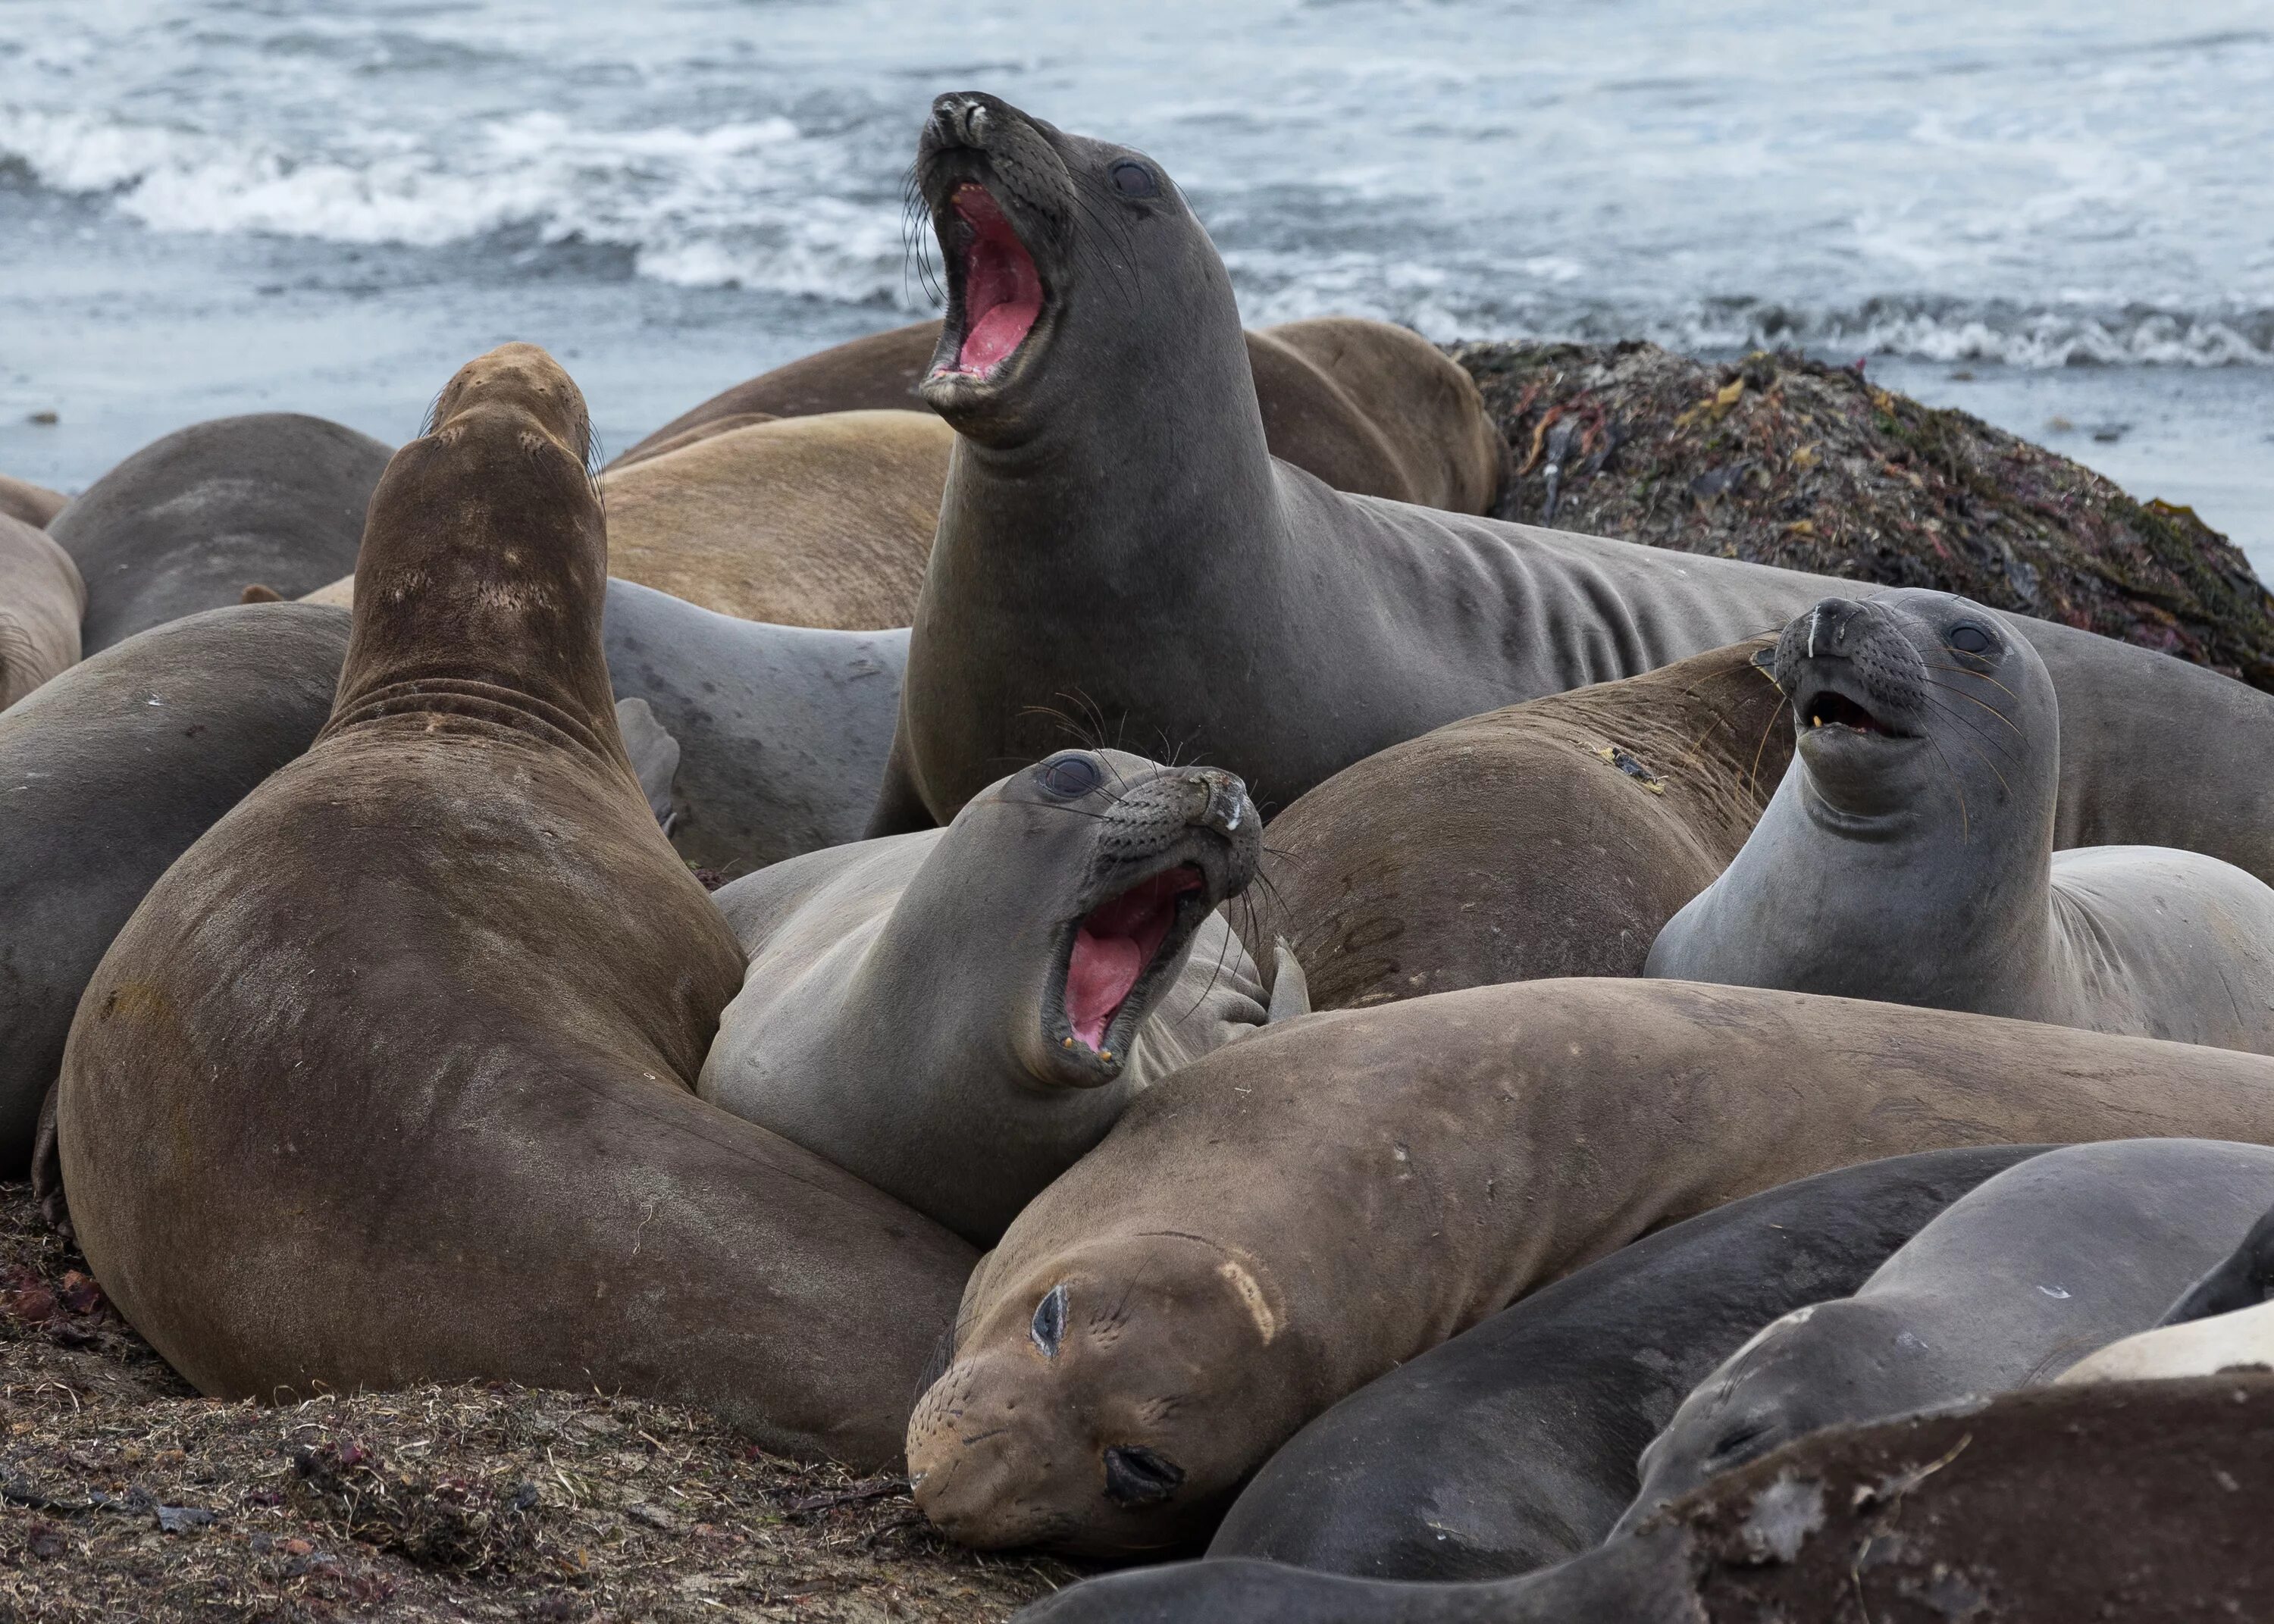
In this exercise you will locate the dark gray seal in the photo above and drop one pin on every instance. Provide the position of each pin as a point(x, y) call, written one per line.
point(107, 775)
point(186, 521)
point(1513, 1446)
point(1907, 854)
point(956, 1015)
point(2014, 1283)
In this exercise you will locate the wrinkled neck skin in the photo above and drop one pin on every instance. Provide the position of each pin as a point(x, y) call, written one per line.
point(480, 590)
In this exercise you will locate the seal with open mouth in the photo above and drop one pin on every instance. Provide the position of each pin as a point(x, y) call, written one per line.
point(1908, 854)
point(956, 1015)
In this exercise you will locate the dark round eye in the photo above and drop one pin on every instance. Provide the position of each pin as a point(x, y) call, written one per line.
point(1071, 775)
point(1969, 638)
point(1049, 1323)
point(1133, 179)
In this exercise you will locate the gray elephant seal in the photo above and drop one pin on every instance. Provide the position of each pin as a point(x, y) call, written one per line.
point(1513, 1446)
point(956, 1015)
point(2012, 1285)
point(107, 775)
point(184, 523)
point(34, 504)
point(418, 1023)
point(1115, 527)
point(2226, 1319)
point(41, 599)
point(1908, 854)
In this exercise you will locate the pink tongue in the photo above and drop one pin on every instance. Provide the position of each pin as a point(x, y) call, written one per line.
point(1098, 978)
point(1002, 290)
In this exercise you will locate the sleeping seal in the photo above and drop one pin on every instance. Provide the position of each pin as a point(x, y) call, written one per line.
point(1908, 856)
point(389, 1081)
point(956, 1015)
point(2012, 1285)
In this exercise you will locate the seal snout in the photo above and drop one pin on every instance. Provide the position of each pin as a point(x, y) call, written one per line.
point(1848, 671)
point(996, 187)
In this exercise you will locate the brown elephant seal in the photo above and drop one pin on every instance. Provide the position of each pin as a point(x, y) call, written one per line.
point(42, 600)
point(33, 504)
point(1907, 854)
point(1290, 1217)
point(418, 1023)
point(2011, 1284)
point(820, 521)
point(184, 523)
point(1369, 407)
point(956, 1015)
point(655, 447)
point(2142, 1501)
point(107, 775)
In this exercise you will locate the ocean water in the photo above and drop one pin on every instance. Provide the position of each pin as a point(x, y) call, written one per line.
point(2057, 213)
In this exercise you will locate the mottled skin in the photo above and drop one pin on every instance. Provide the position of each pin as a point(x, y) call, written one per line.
point(904, 1013)
point(1369, 407)
point(1908, 854)
point(189, 521)
point(1513, 1446)
point(417, 1025)
point(2011, 1285)
point(1291, 1217)
point(41, 599)
point(107, 775)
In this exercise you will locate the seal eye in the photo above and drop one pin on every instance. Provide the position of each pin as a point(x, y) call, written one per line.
point(1133, 179)
point(1049, 1323)
point(1071, 775)
point(1968, 638)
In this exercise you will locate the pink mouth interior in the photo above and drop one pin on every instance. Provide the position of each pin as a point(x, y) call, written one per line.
point(1114, 944)
point(1002, 290)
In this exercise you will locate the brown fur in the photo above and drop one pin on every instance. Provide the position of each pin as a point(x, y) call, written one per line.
point(390, 1079)
point(1296, 1214)
point(41, 599)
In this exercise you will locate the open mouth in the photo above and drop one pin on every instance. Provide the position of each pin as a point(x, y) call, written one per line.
point(1002, 289)
point(1827, 709)
point(1115, 946)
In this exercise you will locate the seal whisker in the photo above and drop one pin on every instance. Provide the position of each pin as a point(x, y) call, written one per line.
point(1971, 700)
point(1981, 675)
point(1960, 718)
point(1965, 833)
point(1753, 773)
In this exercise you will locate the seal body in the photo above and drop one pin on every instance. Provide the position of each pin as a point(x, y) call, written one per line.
point(185, 523)
point(2010, 1285)
point(42, 599)
point(1907, 854)
point(2054, 1503)
point(418, 1023)
point(823, 521)
point(107, 774)
point(1291, 1217)
point(1513, 1446)
point(33, 504)
point(2242, 1339)
point(1367, 406)
point(957, 1014)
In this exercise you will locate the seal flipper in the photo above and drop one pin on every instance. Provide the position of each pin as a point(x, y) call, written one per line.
point(1290, 989)
point(47, 1168)
point(654, 753)
point(2243, 1279)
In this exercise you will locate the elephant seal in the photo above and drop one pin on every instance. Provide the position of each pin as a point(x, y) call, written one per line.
point(2010, 1285)
point(1513, 1446)
point(418, 1022)
point(34, 504)
point(782, 730)
point(805, 521)
point(2225, 1320)
point(1908, 854)
point(956, 1015)
point(1288, 1218)
point(107, 775)
point(187, 521)
point(41, 599)
point(2143, 1500)
point(1369, 407)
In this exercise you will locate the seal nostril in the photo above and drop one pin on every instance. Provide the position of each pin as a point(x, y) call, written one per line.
point(1135, 1476)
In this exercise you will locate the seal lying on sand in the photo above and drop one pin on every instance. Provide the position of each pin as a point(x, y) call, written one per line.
point(957, 1015)
point(107, 775)
point(1908, 856)
point(2143, 1501)
point(187, 521)
point(1513, 1446)
point(805, 521)
point(1369, 407)
point(418, 1023)
point(34, 504)
point(2013, 1283)
point(41, 599)
point(1290, 1217)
